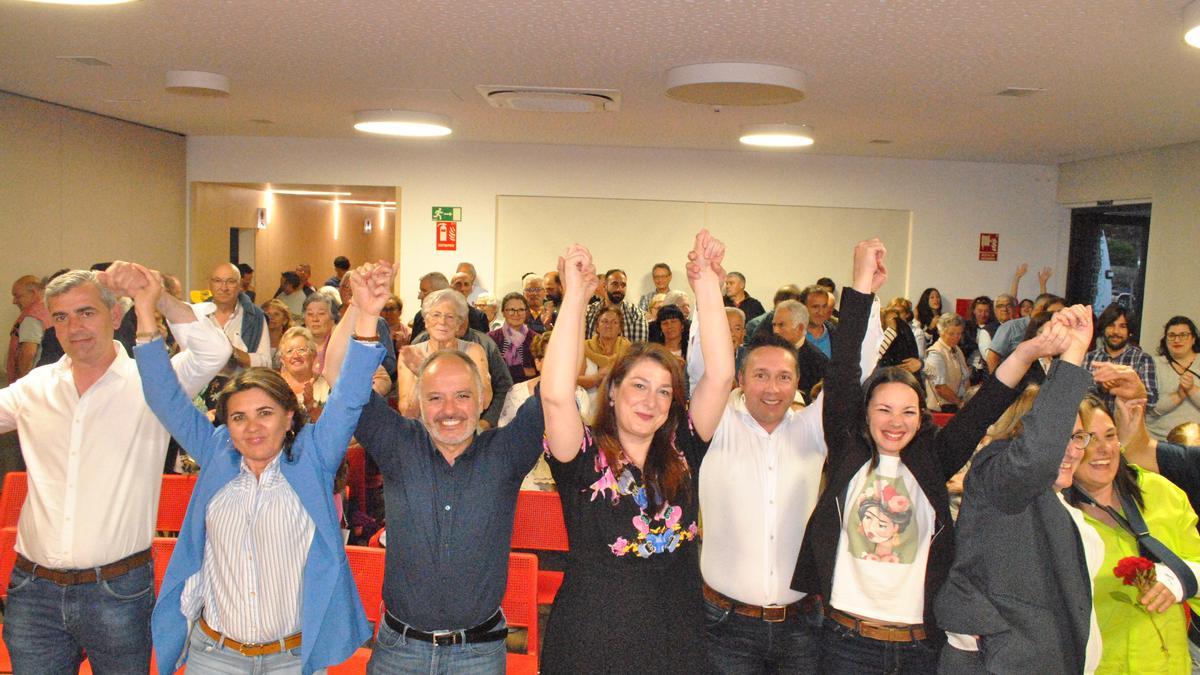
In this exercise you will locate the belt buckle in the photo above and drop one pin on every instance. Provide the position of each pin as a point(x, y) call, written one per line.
point(774, 613)
point(444, 638)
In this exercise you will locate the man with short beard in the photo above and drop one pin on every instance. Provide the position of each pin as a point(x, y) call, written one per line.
point(452, 494)
point(615, 282)
point(1113, 325)
point(759, 484)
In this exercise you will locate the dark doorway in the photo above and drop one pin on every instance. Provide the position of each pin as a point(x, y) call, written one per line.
point(1107, 259)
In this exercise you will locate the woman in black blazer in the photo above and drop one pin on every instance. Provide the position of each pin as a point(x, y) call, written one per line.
point(1019, 596)
point(880, 541)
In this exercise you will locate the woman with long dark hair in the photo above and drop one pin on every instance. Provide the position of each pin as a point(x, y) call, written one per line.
point(929, 308)
point(879, 544)
point(259, 576)
point(1178, 376)
point(631, 597)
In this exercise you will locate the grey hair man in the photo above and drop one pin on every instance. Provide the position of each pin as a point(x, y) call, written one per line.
point(86, 430)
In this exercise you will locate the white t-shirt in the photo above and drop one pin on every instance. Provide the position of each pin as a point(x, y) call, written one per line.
point(887, 525)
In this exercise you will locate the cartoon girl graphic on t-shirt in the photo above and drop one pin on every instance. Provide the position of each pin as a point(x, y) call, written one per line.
point(884, 514)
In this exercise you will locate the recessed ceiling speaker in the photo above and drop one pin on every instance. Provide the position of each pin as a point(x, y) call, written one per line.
point(197, 83)
point(735, 84)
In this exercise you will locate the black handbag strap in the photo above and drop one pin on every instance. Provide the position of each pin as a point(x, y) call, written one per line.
point(1133, 523)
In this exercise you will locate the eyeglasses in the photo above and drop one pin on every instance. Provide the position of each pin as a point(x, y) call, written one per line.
point(390, 308)
point(1178, 337)
point(440, 316)
point(223, 282)
point(297, 351)
point(1082, 439)
point(515, 310)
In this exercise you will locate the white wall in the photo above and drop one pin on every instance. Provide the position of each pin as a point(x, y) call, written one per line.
point(1169, 178)
point(951, 202)
point(77, 189)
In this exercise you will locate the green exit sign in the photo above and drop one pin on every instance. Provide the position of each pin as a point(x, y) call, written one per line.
point(441, 213)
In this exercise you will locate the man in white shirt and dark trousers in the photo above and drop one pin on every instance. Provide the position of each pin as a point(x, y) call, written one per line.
point(758, 485)
point(83, 579)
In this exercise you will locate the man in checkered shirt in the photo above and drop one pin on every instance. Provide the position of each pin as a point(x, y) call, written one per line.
point(1113, 328)
point(615, 282)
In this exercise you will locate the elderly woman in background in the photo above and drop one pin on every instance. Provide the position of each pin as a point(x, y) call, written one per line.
point(393, 314)
point(737, 325)
point(444, 310)
point(279, 319)
point(515, 338)
point(946, 371)
point(1178, 378)
point(1016, 599)
point(486, 303)
point(298, 355)
point(320, 316)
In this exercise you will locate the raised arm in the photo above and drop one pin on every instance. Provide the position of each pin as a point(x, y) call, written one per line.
point(1043, 277)
point(1140, 447)
point(1016, 280)
point(204, 348)
point(332, 432)
point(705, 275)
point(162, 390)
point(564, 426)
point(1010, 477)
point(335, 351)
point(842, 392)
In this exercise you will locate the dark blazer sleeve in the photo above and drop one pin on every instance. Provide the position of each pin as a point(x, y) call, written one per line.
point(956, 442)
point(844, 409)
point(1014, 474)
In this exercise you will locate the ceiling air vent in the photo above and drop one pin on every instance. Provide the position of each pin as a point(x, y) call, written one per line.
point(84, 60)
point(550, 99)
point(1020, 92)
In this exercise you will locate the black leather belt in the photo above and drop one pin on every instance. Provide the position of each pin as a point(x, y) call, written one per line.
point(446, 638)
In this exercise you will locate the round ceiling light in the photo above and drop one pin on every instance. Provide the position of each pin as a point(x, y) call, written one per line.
point(735, 84)
point(777, 135)
point(1191, 24)
point(197, 83)
point(81, 2)
point(402, 123)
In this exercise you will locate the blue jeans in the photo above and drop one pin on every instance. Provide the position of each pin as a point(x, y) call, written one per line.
point(844, 652)
point(47, 627)
point(206, 657)
point(395, 653)
point(740, 644)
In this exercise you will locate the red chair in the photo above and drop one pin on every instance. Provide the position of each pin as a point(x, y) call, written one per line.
point(162, 548)
point(374, 541)
point(173, 501)
point(356, 474)
point(942, 419)
point(520, 605)
point(366, 564)
point(539, 526)
point(16, 486)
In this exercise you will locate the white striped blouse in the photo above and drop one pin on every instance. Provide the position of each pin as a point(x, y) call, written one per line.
point(251, 583)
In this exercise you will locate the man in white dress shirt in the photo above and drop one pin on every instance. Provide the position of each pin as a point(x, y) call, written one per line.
point(83, 578)
point(243, 322)
point(758, 485)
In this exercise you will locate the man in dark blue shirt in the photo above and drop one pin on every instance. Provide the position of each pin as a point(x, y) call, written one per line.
point(450, 493)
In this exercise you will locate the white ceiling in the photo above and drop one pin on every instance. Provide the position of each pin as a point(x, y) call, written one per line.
point(921, 73)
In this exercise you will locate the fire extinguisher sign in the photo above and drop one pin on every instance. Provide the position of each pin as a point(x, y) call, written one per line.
point(447, 235)
point(445, 223)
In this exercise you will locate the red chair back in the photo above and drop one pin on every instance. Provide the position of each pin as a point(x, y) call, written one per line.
point(16, 487)
point(356, 474)
point(366, 565)
point(520, 604)
point(162, 547)
point(8, 557)
point(173, 501)
point(538, 524)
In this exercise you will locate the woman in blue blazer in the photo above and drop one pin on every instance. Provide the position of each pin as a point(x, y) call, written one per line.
point(295, 556)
